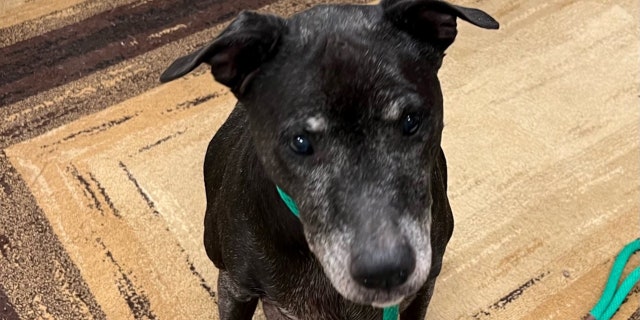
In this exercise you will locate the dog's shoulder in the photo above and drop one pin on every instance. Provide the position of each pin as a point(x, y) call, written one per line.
point(221, 157)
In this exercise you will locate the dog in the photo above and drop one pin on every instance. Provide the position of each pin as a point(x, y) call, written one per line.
point(340, 110)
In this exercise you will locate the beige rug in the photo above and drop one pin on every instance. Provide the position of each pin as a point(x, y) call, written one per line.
point(101, 192)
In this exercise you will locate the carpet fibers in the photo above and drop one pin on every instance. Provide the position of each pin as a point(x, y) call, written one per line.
point(101, 193)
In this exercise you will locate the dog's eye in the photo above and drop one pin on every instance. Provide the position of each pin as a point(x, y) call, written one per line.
point(410, 124)
point(301, 145)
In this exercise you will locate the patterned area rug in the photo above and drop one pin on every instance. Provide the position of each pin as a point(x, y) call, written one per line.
point(101, 194)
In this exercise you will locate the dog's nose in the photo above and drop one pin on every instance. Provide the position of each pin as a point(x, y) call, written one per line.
point(383, 269)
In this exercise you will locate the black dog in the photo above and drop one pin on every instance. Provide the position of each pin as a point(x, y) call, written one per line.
point(340, 106)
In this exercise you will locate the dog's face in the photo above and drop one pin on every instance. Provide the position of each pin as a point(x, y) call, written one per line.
point(347, 118)
point(345, 109)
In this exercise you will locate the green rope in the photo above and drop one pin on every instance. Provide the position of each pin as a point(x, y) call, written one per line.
point(612, 297)
point(389, 313)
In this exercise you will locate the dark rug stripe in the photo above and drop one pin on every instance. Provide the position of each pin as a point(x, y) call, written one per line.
point(57, 19)
point(35, 270)
point(6, 309)
point(66, 54)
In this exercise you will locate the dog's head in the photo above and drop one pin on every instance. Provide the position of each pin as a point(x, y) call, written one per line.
point(345, 109)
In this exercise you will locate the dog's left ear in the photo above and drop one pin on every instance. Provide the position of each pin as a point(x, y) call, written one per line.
point(432, 20)
point(237, 53)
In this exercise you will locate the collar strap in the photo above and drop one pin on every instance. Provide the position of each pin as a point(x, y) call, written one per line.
point(289, 202)
point(388, 313)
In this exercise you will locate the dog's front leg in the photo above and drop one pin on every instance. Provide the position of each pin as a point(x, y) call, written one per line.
point(233, 302)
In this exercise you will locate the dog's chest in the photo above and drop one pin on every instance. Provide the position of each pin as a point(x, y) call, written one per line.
point(274, 312)
point(314, 298)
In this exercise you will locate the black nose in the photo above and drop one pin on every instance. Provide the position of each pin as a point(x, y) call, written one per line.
point(383, 269)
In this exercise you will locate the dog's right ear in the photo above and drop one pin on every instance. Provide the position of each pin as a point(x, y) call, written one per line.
point(237, 53)
point(434, 20)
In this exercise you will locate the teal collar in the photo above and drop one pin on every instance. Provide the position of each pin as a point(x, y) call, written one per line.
point(289, 202)
point(389, 313)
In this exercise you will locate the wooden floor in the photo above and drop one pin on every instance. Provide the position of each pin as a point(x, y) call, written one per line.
point(101, 193)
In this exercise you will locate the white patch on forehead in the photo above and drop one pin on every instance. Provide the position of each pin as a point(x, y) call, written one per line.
point(316, 124)
point(393, 110)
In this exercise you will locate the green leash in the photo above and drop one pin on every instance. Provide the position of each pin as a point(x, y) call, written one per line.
point(389, 313)
point(612, 297)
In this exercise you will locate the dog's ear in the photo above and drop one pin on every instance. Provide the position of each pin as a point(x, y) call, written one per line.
point(433, 20)
point(237, 53)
